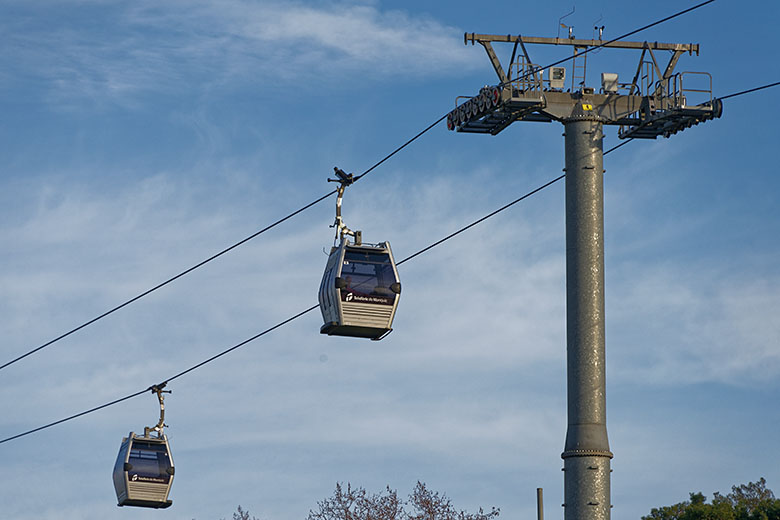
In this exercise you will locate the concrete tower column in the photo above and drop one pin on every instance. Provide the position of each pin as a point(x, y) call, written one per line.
point(586, 455)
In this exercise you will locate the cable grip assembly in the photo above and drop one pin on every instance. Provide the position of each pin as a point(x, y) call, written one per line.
point(158, 389)
point(344, 179)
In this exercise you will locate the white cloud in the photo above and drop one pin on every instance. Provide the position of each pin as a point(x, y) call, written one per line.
point(473, 383)
point(682, 325)
point(363, 39)
point(177, 46)
point(468, 393)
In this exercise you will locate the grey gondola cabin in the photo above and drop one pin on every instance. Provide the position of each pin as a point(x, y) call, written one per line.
point(143, 472)
point(360, 290)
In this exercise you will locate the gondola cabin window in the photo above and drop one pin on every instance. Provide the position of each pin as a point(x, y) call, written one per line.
point(368, 278)
point(149, 463)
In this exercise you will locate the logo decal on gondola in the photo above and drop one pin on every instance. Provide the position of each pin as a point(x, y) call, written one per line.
point(135, 478)
point(359, 298)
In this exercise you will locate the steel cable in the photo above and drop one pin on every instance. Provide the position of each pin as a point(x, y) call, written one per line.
point(602, 45)
point(776, 83)
point(219, 254)
point(300, 314)
point(296, 316)
point(309, 205)
point(288, 320)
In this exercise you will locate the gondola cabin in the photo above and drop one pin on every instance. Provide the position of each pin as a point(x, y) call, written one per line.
point(359, 291)
point(143, 472)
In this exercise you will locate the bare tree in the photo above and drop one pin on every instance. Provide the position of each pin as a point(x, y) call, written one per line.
point(357, 504)
point(240, 514)
point(243, 515)
point(429, 505)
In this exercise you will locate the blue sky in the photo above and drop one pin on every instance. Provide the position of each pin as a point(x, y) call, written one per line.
point(140, 138)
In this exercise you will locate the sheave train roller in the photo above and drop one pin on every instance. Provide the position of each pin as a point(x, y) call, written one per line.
point(360, 289)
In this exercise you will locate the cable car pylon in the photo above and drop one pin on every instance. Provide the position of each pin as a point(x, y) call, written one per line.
point(657, 102)
point(360, 288)
point(143, 472)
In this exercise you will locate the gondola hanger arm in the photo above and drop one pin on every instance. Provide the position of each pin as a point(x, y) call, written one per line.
point(158, 389)
point(345, 179)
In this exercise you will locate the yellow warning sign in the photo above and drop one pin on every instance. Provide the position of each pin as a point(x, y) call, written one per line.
point(587, 106)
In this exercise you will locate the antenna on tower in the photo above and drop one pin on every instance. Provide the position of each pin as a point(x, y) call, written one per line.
point(561, 24)
point(599, 29)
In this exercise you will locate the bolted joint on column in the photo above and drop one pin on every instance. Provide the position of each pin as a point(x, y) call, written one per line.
point(586, 453)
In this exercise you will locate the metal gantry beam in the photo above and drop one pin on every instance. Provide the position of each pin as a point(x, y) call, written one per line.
point(509, 38)
point(655, 103)
point(495, 61)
